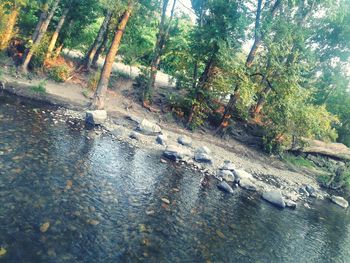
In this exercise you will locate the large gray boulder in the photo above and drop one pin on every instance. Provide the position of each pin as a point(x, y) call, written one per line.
point(226, 175)
point(184, 140)
point(225, 187)
point(96, 117)
point(274, 197)
point(248, 184)
point(339, 201)
point(243, 175)
point(337, 150)
point(202, 154)
point(149, 128)
point(227, 165)
point(176, 153)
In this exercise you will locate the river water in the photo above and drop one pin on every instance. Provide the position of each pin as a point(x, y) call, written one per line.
point(100, 200)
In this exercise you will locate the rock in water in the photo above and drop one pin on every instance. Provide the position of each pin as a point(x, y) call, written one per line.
point(176, 153)
point(149, 128)
point(161, 139)
point(225, 187)
point(184, 140)
point(311, 190)
point(96, 117)
point(135, 135)
point(44, 227)
point(339, 201)
point(202, 154)
point(248, 184)
point(241, 174)
point(227, 165)
point(227, 175)
point(274, 197)
point(291, 204)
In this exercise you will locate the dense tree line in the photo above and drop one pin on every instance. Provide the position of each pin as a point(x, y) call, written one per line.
point(281, 64)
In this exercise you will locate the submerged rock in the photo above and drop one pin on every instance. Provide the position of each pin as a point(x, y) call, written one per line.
point(274, 197)
point(184, 140)
point(176, 153)
point(225, 187)
point(339, 201)
point(96, 117)
point(202, 154)
point(149, 128)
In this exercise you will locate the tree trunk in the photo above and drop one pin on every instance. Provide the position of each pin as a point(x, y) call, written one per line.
point(41, 32)
point(100, 50)
point(58, 50)
point(93, 49)
point(43, 16)
point(11, 22)
point(231, 105)
point(160, 46)
point(203, 81)
point(98, 102)
point(56, 33)
point(257, 35)
point(261, 101)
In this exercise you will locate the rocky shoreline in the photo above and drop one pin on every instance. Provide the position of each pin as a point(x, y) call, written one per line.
point(210, 160)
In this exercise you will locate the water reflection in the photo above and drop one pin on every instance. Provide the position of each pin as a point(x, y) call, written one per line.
point(102, 199)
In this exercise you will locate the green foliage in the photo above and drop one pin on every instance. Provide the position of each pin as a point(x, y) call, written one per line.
point(338, 178)
point(40, 88)
point(39, 56)
point(59, 73)
point(297, 161)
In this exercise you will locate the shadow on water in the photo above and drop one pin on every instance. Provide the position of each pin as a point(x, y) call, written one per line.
point(103, 201)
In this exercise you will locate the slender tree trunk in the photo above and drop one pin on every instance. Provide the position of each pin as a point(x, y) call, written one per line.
point(56, 33)
point(43, 28)
point(160, 46)
point(100, 50)
point(98, 102)
point(94, 47)
point(11, 22)
point(195, 68)
point(203, 83)
point(231, 105)
point(43, 16)
point(261, 101)
point(258, 37)
point(58, 50)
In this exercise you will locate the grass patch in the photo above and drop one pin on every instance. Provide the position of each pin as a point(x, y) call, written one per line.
point(298, 161)
point(40, 88)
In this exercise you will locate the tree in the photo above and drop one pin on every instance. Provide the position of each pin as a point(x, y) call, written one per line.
point(102, 34)
point(39, 32)
point(56, 33)
point(163, 34)
point(98, 102)
point(13, 9)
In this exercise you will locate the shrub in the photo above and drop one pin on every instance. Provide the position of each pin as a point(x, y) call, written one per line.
point(59, 73)
point(40, 88)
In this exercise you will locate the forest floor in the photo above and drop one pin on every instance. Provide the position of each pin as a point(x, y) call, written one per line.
point(122, 103)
